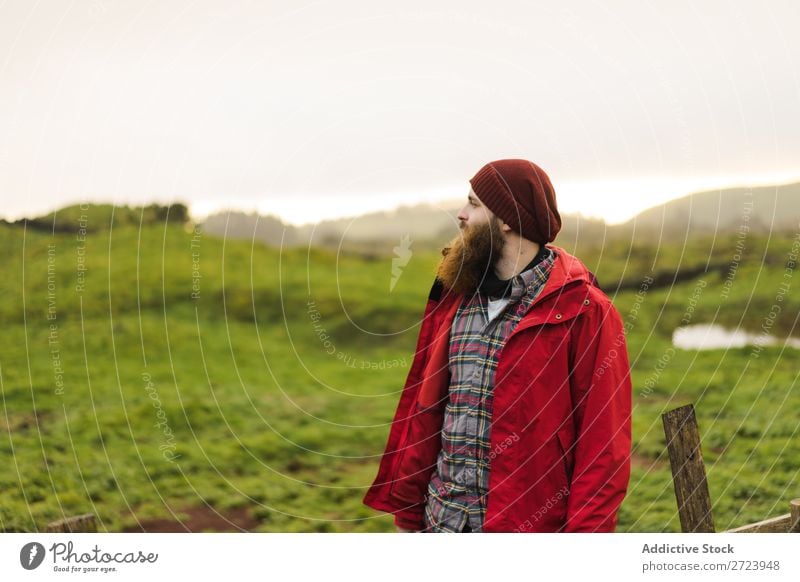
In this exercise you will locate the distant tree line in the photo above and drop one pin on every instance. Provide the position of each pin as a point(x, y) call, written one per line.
point(98, 217)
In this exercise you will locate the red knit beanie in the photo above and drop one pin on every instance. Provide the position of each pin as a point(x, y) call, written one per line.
point(521, 195)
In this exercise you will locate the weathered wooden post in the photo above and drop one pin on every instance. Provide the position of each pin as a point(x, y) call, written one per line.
point(85, 523)
point(688, 470)
point(794, 526)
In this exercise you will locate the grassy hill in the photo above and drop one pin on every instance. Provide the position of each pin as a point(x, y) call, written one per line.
point(160, 376)
point(763, 209)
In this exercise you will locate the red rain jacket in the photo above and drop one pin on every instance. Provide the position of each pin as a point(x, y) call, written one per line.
point(561, 419)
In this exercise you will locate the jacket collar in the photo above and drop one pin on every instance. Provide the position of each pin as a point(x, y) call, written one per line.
point(565, 295)
point(562, 298)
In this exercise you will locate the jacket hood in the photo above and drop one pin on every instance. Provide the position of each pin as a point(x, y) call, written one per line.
point(567, 270)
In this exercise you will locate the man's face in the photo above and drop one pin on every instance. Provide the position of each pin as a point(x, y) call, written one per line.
point(469, 257)
point(473, 213)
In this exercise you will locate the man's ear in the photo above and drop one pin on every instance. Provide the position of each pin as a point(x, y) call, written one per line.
point(503, 226)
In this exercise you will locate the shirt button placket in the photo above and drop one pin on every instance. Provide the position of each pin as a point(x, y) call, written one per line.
point(470, 473)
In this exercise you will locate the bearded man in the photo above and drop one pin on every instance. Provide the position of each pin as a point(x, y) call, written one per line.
point(516, 413)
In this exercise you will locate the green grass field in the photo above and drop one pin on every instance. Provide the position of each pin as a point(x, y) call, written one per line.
point(151, 372)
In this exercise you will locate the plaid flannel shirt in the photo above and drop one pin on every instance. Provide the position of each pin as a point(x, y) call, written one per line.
point(458, 489)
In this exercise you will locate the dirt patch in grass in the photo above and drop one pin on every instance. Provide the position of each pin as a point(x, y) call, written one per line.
point(649, 464)
point(199, 519)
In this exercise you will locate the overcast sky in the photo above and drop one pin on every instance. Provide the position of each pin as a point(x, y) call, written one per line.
point(320, 109)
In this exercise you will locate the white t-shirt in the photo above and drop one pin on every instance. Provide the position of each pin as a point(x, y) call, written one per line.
point(496, 306)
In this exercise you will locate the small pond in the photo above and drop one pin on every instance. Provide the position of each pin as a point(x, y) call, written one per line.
point(717, 337)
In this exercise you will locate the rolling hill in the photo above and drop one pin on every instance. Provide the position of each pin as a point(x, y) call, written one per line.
point(762, 210)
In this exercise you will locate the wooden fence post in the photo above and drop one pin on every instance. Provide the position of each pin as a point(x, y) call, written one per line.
point(85, 523)
point(688, 470)
point(794, 526)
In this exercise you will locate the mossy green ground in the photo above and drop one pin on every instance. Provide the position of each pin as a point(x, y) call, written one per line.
point(273, 389)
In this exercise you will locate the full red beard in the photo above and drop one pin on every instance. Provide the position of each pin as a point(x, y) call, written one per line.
point(469, 256)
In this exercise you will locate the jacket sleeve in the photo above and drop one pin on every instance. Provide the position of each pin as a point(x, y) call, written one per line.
point(600, 384)
point(378, 496)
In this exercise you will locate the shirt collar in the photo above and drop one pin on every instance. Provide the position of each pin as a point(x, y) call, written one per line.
point(496, 288)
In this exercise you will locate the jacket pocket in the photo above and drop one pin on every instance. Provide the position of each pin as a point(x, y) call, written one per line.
point(566, 447)
point(417, 455)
